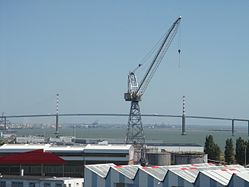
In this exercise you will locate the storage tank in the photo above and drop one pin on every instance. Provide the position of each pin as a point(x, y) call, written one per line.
point(188, 158)
point(159, 158)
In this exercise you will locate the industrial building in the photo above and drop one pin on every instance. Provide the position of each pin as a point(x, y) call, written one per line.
point(190, 175)
point(55, 160)
point(63, 140)
point(239, 179)
point(34, 181)
point(169, 154)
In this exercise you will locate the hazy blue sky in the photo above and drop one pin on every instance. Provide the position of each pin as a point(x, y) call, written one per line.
point(83, 50)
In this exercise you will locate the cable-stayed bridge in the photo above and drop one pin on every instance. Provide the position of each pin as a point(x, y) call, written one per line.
point(4, 119)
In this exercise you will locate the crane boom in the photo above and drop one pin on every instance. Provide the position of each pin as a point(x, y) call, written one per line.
point(158, 57)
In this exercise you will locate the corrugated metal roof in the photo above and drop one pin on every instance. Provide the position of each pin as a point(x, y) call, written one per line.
point(221, 177)
point(129, 171)
point(65, 148)
point(223, 174)
point(243, 175)
point(49, 147)
point(100, 169)
point(26, 177)
point(32, 157)
point(21, 147)
point(108, 147)
point(159, 172)
point(189, 172)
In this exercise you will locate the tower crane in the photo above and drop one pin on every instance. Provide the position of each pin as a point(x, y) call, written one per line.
point(135, 134)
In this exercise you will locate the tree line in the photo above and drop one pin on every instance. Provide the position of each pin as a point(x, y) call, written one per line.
point(239, 154)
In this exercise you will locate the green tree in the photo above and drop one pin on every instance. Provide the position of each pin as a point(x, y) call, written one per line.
point(247, 152)
point(240, 150)
point(217, 152)
point(229, 151)
point(211, 148)
point(1, 142)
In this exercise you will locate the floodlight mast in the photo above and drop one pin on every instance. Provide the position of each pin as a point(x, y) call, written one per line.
point(135, 133)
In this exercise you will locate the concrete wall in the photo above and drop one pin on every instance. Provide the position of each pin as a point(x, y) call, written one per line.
point(175, 149)
point(159, 159)
point(178, 158)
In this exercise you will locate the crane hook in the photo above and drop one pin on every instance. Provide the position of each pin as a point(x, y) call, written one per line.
point(179, 59)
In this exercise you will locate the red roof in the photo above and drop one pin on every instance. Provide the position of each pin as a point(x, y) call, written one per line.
point(32, 157)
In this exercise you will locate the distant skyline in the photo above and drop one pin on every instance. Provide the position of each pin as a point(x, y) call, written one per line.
point(83, 50)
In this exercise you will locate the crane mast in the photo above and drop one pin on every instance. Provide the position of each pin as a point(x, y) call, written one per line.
point(135, 133)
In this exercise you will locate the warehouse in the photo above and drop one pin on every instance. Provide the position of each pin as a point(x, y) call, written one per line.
point(34, 181)
point(190, 175)
point(239, 179)
point(66, 161)
point(167, 154)
point(218, 176)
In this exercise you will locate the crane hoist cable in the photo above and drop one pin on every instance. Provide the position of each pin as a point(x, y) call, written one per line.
point(148, 57)
point(159, 56)
point(179, 46)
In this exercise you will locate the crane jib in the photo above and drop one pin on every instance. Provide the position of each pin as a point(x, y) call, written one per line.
point(158, 57)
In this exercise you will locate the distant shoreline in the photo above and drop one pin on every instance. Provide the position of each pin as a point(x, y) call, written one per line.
point(220, 130)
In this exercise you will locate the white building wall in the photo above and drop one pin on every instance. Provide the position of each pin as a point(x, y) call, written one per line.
point(93, 180)
point(236, 181)
point(205, 181)
point(175, 149)
point(25, 183)
point(52, 183)
point(74, 182)
point(158, 183)
point(188, 184)
point(142, 178)
point(172, 179)
point(114, 177)
point(131, 155)
point(89, 176)
point(100, 181)
point(146, 180)
point(38, 183)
